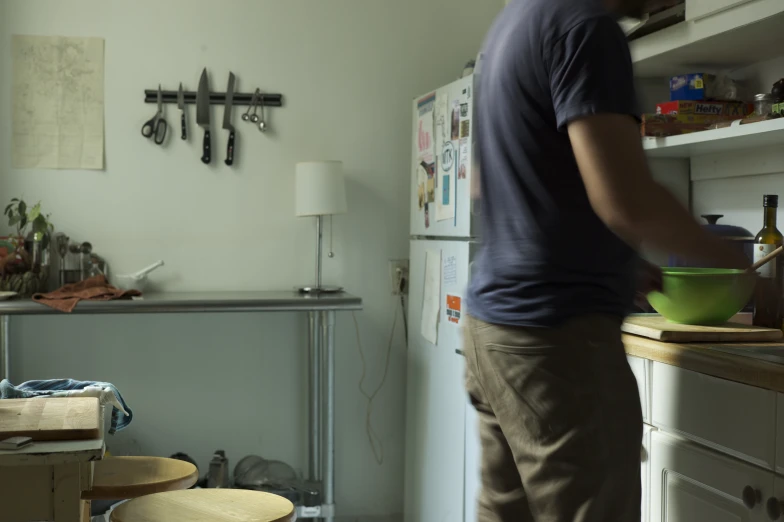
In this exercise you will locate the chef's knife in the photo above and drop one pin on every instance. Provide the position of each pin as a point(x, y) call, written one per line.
point(203, 115)
point(227, 120)
point(181, 106)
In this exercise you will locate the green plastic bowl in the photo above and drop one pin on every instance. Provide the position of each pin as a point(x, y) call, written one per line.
point(702, 296)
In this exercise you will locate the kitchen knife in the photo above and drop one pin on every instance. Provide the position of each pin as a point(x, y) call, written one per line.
point(203, 115)
point(181, 106)
point(227, 120)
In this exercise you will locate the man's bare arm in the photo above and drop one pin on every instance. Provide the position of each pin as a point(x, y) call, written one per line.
point(630, 202)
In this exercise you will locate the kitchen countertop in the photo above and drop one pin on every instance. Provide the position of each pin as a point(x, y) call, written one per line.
point(755, 364)
point(190, 302)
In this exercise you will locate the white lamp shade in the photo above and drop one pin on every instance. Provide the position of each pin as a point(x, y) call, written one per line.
point(321, 188)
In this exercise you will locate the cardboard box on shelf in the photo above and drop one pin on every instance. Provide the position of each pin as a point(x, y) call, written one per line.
point(662, 125)
point(701, 86)
point(728, 110)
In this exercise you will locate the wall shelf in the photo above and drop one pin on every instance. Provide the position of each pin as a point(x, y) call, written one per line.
point(736, 37)
point(743, 137)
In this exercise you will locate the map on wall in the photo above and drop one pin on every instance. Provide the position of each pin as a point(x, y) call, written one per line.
point(58, 103)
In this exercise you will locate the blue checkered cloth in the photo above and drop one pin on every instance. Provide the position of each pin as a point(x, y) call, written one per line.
point(32, 389)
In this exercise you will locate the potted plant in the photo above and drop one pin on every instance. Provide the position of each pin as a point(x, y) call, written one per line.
point(25, 268)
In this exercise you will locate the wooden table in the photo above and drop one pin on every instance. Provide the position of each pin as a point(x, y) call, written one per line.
point(45, 480)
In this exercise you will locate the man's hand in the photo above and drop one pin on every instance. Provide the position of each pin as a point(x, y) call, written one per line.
point(649, 279)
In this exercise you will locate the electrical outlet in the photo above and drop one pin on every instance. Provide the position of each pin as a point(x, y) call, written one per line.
point(398, 276)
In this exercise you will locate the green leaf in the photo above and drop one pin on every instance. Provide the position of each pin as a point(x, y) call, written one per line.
point(22, 207)
point(22, 221)
point(8, 208)
point(15, 200)
point(39, 224)
point(35, 212)
point(38, 236)
point(13, 220)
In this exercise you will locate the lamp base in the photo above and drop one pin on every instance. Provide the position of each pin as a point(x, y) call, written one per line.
point(315, 290)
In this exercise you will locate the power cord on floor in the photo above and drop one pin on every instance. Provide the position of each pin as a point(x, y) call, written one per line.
point(375, 441)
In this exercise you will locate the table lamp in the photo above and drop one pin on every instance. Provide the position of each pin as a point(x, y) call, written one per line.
point(321, 191)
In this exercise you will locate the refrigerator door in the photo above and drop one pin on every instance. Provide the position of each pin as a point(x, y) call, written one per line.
point(473, 462)
point(449, 175)
point(435, 395)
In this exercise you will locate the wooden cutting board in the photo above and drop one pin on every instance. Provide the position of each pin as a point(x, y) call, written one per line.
point(658, 328)
point(50, 419)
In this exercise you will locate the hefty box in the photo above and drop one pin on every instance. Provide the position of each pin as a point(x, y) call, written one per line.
point(724, 110)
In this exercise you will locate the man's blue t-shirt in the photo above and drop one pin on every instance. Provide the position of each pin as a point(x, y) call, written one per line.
point(546, 256)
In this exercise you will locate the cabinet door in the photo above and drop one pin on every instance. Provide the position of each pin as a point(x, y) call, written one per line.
point(775, 504)
point(645, 473)
point(690, 483)
point(696, 9)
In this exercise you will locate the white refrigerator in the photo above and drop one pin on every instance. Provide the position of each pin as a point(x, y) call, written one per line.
point(442, 445)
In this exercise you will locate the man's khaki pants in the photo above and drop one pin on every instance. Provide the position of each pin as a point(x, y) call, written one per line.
point(560, 422)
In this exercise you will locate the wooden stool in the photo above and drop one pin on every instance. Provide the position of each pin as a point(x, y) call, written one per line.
point(206, 505)
point(121, 478)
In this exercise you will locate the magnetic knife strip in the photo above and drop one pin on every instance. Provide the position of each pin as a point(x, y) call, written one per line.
point(216, 98)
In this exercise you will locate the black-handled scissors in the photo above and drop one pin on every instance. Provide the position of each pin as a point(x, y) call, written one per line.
point(157, 126)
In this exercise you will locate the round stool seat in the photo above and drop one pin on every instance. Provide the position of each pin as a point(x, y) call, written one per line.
point(206, 505)
point(120, 478)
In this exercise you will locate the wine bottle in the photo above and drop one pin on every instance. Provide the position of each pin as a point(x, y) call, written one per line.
point(769, 290)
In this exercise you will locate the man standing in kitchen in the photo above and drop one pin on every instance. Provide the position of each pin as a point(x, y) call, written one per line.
point(566, 197)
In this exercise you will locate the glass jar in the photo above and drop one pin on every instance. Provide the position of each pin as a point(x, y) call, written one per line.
point(763, 104)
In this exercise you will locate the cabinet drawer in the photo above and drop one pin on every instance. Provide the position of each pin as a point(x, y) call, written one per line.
point(780, 435)
point(731, 417)
point(696, 9)
point(690, 483)
point(641, 370)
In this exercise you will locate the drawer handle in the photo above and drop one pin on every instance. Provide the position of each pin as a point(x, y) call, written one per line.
point(751, 497)
point(775, 507)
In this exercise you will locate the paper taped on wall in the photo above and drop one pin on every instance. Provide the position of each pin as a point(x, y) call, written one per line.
point(58, 102)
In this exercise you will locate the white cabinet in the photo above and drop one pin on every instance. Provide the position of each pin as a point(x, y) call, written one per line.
point(696, 9)
point(645, 473)
point(641, 370)
point(690, 483)
point(734, 418)
point(780, 435)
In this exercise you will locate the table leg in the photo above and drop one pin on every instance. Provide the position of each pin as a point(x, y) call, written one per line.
point(314, 389)
point(67, 493)
point(5, 347)
point(329, 416)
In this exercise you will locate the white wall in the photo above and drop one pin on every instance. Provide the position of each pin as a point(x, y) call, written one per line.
point(348, 70)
